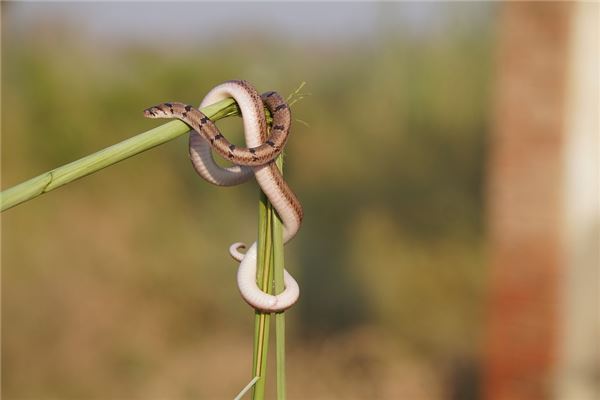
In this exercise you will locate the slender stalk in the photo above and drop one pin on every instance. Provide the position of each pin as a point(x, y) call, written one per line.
point(278, 261)
point(246, 388)
point(269, 268)
point(101, 159)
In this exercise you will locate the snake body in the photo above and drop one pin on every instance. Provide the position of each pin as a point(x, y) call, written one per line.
point(270, 147)
point(255, 160)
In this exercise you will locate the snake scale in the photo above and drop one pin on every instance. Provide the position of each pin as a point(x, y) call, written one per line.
point(257, 160)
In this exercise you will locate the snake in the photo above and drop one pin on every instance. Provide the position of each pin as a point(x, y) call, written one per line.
point(256, 160)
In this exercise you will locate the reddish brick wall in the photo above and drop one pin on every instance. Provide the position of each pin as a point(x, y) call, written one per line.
point(524, 201)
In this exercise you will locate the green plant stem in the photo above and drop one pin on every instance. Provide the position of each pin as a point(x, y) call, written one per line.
point(278, 268)
point(60, 176)
point(101, 159)
point(269, 269)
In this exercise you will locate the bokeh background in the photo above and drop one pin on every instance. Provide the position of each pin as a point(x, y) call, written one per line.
point(119, 285)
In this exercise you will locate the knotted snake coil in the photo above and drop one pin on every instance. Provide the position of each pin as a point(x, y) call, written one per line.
point(257, 159)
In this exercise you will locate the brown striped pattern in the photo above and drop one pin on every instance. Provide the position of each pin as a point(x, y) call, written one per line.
point(271, 147)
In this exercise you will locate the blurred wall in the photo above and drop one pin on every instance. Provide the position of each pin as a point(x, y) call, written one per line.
point(578, 370)
point(540, 237)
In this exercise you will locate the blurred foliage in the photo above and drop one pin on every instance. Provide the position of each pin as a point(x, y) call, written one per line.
point(119, 285)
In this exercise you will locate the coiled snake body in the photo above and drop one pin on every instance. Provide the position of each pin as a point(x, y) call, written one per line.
point(257, 160)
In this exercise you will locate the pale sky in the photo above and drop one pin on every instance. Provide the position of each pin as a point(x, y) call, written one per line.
point(301, 21)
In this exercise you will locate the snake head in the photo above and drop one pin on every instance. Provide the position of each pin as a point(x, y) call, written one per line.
point(158, 111)
point(151, 112)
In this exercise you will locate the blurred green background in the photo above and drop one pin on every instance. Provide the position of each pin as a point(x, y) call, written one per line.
point(120, 286)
